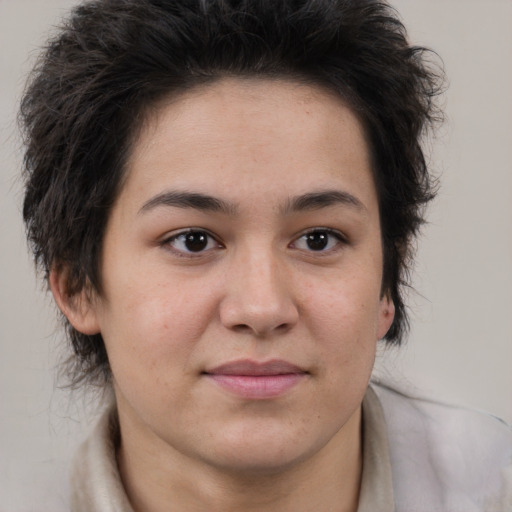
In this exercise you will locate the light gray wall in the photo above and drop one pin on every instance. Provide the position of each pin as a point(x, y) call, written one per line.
point(460, 348)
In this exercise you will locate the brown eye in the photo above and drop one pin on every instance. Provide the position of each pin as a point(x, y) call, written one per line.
point(319, 240)
point(192, 241)
point(196, 241)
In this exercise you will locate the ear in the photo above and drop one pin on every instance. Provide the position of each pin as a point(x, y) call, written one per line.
point(386, 316)
point(79, 308)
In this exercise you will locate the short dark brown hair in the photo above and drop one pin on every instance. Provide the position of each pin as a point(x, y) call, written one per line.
point(114, 59)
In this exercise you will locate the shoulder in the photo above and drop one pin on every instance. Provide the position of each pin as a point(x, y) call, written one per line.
point(95, 481)
point(446, 458)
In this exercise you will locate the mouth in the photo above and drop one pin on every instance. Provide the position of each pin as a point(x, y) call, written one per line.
point(255, 380)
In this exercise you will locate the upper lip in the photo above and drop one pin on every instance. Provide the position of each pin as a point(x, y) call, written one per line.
point(255, 368)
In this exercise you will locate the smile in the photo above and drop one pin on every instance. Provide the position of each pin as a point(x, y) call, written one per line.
point(257, 381)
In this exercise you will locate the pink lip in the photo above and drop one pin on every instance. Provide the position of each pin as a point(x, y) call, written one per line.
point(254, 380)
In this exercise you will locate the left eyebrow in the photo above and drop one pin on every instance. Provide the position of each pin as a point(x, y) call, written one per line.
point(322, 199)
point(194, 200)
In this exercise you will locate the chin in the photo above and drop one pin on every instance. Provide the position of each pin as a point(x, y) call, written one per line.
point(264, 450)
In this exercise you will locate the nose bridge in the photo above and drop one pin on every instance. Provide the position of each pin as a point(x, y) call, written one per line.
point(259, 297)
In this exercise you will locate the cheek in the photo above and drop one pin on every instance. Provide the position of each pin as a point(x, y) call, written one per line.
point(147, 325)
point(345, 308)
point(151, 340)
point(343, 317)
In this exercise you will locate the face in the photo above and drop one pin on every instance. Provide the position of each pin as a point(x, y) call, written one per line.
point(242, 270)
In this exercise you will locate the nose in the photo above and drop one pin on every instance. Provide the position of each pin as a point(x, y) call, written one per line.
point(258, 299)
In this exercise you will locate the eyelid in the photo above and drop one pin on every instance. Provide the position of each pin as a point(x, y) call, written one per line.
point(340, 236)
point(170, 237)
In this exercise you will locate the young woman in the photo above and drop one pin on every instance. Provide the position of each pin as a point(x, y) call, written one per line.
point(223, 196)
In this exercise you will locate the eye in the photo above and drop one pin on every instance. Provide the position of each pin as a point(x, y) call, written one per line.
point(192, 241)
point(319, 240)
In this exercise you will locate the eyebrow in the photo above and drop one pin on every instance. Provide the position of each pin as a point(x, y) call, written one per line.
point(207, 203)
point(322, 199)
point(194, 200)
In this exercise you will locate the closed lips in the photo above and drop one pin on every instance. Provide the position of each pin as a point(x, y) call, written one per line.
point(252, 380)
point(253, 368)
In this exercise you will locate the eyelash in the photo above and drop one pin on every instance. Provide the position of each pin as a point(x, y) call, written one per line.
point(182, 235)
point(331, 233)
point(208, 238)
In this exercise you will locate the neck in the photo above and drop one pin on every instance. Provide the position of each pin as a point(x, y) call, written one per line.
point(155, 476)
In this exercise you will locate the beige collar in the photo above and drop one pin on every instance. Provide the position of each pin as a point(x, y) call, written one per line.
point(376, 483)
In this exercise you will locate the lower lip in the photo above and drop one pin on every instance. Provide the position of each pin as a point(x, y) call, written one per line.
point(258, 387)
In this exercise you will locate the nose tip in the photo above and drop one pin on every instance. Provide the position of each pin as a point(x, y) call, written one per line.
point(259, 323)
point(259, 301)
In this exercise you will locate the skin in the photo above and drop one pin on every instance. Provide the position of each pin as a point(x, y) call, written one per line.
point(256, 292)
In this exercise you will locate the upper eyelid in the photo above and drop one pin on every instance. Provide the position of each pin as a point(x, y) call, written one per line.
point(166, 243)
point(341, 242)
point(331, 231)
point(175, 234)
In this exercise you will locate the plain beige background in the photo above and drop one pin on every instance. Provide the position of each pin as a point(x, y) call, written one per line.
point(460, 346)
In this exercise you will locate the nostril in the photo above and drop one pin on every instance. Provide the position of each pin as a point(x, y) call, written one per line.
point(241, 328)
point(244, 328)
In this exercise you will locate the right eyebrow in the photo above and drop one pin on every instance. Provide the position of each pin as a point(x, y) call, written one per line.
point(323, 199)
point(197, 201)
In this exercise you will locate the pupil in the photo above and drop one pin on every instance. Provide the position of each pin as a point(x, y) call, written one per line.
point(317, 241)
point(196, 242)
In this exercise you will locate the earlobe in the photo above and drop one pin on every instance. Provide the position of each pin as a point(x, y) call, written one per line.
point(77, 308)
point(386, 316)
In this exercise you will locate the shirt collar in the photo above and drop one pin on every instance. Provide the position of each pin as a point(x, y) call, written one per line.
point(376, 483)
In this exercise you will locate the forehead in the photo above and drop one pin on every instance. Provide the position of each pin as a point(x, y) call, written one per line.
point(263, 102)
point(264, 134)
